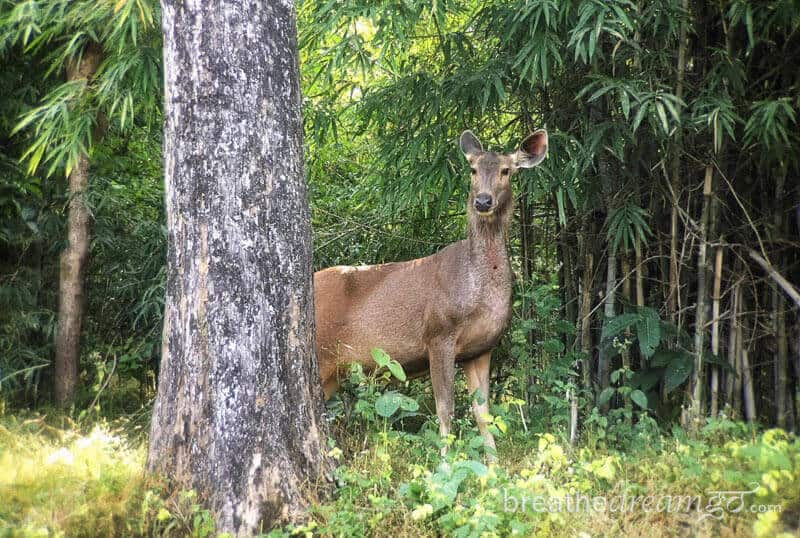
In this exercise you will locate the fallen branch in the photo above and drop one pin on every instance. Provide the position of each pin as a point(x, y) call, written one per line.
point(790, 290)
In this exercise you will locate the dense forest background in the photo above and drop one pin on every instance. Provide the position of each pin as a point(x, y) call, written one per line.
point(655, 341)
point(674, 158)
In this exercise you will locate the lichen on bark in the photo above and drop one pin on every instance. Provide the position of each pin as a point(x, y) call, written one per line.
point(238, 416)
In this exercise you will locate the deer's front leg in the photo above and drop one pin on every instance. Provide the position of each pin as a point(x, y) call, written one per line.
point(477, 372)
point(443, 366)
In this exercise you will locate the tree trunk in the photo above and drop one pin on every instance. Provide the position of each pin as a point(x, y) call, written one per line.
point(238, 415)
point(73, 259)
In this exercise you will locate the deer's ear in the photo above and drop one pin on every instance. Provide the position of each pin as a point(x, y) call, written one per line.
point(469, 143)
point(532, 150)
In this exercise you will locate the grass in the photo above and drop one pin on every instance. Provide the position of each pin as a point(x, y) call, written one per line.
point(60, 478)
point(57, 481)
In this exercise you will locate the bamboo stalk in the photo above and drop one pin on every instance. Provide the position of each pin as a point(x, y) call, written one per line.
point(793, 337)
point(782, 364)
point(639, 273)
point(586, 318)
point(573, 417)
point(790, 290)
point(672, 301)
point(748, 394)
point(696, 405)
point(604, 362)
point(715, 332)
point(626, 352)
point(739, 375)
point(730, 377)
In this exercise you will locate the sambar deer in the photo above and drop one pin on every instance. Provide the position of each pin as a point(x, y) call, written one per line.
point(431, 313)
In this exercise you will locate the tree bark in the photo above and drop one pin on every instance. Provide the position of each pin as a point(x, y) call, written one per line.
point(72, 269)
point(238, 415)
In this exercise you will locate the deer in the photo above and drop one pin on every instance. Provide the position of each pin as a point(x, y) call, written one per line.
point(432, 313)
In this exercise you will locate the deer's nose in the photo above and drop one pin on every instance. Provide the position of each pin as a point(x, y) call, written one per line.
point(483, 202)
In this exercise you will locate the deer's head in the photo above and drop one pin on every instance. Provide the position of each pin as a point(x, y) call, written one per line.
point(490, 185)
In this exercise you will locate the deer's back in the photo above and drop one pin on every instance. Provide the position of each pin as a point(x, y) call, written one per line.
point(401, 307)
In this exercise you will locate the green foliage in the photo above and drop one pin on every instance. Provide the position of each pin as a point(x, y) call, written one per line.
point(127, 83)
point(647, 324)
point(627, 224)
point(87, 481)
point(401, 486)
point(677, 367)
point(365, 400)
point(541, 369)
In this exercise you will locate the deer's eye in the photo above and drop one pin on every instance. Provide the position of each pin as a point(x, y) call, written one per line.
point(504, 171)
point(473, 171)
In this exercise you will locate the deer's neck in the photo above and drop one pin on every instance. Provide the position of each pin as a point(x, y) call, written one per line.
point(487, 246)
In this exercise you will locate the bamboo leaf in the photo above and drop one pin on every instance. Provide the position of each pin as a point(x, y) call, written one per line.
point(662, 115)
point(639, 116)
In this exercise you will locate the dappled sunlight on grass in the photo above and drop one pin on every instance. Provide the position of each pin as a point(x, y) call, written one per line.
point(88, 480)
point(55, 481)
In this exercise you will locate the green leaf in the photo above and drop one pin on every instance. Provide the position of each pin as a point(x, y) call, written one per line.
point(625, 102)
point(648, 331)
point(615, 376)
point(476, 442)
point(662, 115)
point(613, 326)
point(637, 120)
point(396, 369)
point(677, 372)
point(380, 357)
point(553, 345)
point(605, 396)
point(388, 404)
point(647, 379)
point(563, 326)
point(666, 357)
point(475, 467)
point(409, 404)
point(639, 398)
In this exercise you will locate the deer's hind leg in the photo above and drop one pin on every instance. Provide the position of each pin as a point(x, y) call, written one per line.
point(477, 372)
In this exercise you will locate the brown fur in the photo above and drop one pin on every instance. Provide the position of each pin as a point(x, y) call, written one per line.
point(431, 313)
